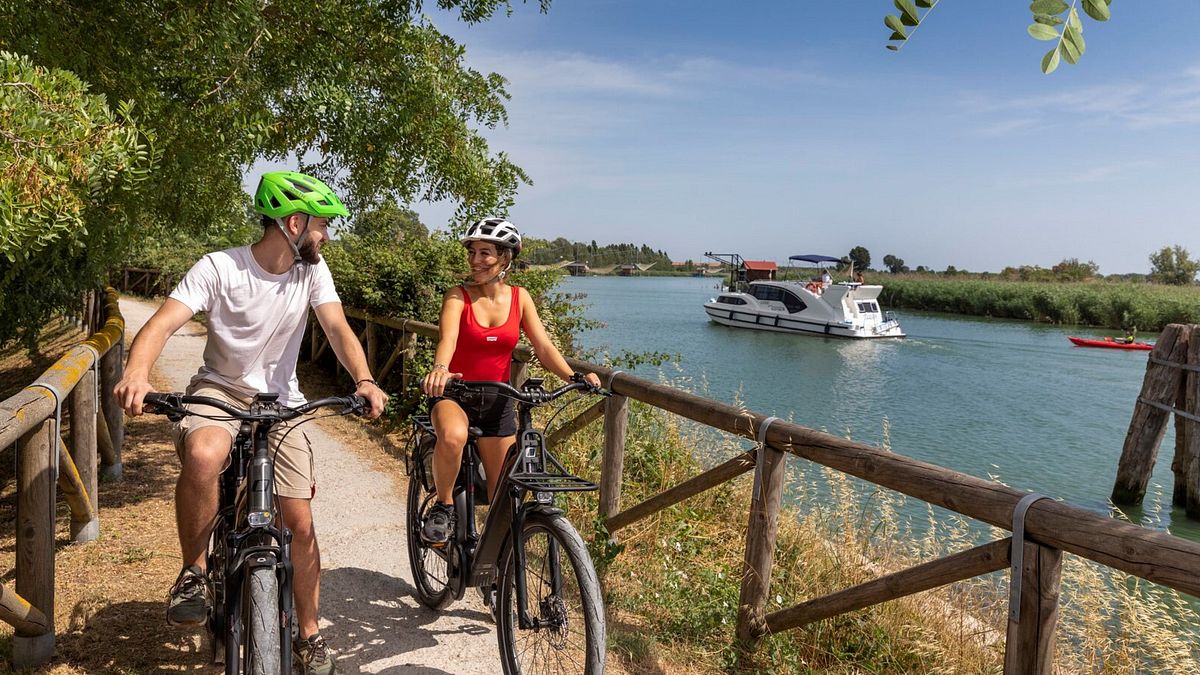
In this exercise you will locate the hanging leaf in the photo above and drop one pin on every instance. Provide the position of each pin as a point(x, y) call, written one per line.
point(1070, 52)
point(894, 23)
point(893, 48)
point(908, 12)
point(927, 4)
point(1097, 9)
point(897, 36)
point(1048, 6)
point(1050, 61)
point(1047, 19)
point(1073, 38)
point(1041, 31)
point(1074, 22)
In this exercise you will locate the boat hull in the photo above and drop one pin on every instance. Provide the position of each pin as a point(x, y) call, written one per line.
point(1109, 344)
point(779, 323)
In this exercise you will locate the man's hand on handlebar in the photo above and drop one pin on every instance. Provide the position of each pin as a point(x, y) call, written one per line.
point(129, 393)
point(374, 395)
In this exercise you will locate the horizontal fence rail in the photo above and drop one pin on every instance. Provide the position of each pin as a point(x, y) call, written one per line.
point(1042, 528)
point(78, 387)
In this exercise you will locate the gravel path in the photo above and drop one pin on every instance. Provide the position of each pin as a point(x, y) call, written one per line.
point(368, 612)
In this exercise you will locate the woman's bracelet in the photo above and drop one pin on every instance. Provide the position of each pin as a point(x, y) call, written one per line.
point(440, 366)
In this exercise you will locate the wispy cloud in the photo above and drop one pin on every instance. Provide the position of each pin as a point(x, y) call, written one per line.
point(1174, 101)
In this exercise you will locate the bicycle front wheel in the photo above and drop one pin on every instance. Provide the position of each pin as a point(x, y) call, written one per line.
point(562, 598)
point(263, 649)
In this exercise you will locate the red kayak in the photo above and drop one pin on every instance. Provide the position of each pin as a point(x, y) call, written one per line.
point(1109, 343)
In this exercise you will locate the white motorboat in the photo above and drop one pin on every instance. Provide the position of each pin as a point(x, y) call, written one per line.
point(847, 309)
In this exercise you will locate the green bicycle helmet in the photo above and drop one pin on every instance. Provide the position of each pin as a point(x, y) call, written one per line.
point(282, 193)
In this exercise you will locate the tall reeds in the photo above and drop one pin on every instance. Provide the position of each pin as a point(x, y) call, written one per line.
point(1149, 307)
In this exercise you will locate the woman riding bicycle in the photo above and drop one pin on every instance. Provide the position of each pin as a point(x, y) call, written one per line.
point(481, 323)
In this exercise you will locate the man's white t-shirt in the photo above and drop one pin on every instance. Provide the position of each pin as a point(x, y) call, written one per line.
point(256, 320)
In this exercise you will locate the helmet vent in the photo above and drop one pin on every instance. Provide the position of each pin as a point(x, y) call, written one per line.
point(274, 201)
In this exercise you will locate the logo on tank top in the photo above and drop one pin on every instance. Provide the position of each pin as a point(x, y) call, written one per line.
point(492, 338)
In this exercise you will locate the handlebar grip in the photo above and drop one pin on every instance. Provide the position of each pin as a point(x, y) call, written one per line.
point(359, 405)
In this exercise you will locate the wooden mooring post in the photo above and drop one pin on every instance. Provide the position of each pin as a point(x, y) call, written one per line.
point(1170, 360)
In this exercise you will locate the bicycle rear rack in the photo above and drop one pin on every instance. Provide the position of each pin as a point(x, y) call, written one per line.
point(548, 482)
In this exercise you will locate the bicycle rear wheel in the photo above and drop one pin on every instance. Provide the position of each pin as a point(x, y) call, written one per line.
point(563, 599)
point(430, 567)
point(263, 649)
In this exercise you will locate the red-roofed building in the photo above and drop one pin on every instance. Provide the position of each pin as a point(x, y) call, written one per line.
point(755, 270)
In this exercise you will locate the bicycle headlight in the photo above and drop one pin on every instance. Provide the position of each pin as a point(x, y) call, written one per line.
point(259, 518)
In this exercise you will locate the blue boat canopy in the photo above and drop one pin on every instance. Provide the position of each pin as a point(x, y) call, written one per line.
point(813, 258)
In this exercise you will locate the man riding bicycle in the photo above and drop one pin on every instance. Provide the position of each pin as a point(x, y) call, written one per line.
point(257, 300)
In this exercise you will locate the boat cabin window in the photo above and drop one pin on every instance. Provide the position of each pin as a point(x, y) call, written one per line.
point(793, 303)
point(767, 293)
point(868, 307)
point(731, 300)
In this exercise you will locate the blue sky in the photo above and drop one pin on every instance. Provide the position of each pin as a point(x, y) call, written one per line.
point(774, 128)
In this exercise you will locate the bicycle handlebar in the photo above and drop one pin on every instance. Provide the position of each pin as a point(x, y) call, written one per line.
point(173, 404)
point(534, 397)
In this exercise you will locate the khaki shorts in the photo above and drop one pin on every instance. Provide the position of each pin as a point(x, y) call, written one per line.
point(294, 470)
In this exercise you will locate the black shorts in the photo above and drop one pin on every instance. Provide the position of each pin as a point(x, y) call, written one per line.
point(495, 415)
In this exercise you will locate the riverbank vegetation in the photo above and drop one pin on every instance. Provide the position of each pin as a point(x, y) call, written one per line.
point(1116, 305)
point(673, 582)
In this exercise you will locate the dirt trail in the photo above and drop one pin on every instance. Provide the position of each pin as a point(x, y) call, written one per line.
point(368, 613)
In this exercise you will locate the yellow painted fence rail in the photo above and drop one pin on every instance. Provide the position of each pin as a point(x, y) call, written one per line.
point(77, 389)
point(1042, 528)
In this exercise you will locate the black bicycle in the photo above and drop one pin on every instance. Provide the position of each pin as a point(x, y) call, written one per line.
point(249, 553)
point(530, 562)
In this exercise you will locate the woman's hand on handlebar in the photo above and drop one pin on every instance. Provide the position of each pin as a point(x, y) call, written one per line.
point(592, 379)
point(434, 383)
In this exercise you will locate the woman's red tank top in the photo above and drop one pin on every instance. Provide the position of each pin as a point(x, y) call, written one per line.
point(485, 353)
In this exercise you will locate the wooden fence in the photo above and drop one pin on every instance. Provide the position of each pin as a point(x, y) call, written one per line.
point(1042, 528)
point(147, 282)
point(77, 389)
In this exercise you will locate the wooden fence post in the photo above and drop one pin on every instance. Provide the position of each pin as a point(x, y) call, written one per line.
point(519, 373)
point(1029, 647)
point(1187, 432)
point(616, 420)
point(83, 451)
point(112, 366)
point(1149, 423)
point(407, 357)
point(35, 537)
point(761, 530)
point(372, 348)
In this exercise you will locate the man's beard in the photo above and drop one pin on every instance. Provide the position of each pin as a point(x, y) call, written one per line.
point(310, 252)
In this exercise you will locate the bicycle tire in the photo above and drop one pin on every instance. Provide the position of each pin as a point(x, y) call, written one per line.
point(430, 568)
point(263, 649)
point(574, 639)
point(216, 628)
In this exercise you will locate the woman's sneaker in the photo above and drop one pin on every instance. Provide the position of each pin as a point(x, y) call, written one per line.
point(187, 603)
point(439, 525)
point(312, 656)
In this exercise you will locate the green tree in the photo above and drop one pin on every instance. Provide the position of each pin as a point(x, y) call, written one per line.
point(1172, 265)
point(369, 95)
point(860, 257)
point(895, 265)
point(1070, 269)
point(389, 223)
point(1048, 15)
point(70, 167)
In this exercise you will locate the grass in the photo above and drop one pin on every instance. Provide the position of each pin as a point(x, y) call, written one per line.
point(674, 582)
point(1149, 307)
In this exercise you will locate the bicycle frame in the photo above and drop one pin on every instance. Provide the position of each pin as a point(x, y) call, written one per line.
point(247, 511)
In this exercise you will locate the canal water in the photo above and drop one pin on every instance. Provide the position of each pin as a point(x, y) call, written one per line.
point(1009, 400)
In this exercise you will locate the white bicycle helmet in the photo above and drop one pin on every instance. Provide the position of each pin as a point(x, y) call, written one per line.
point(496, 230)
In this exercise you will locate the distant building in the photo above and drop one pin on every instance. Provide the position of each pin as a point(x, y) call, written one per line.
point(577, 269)
point(756, 270)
